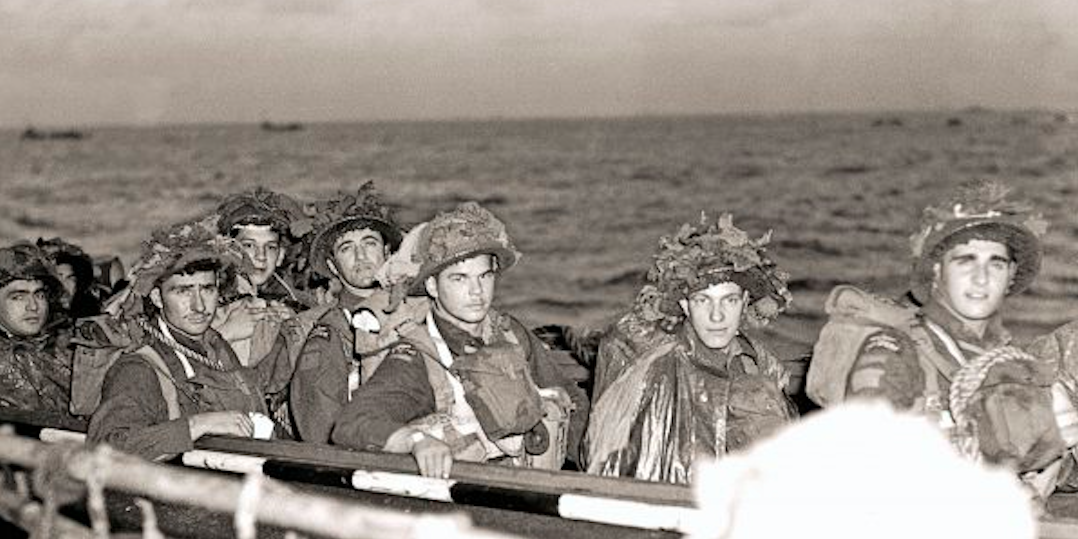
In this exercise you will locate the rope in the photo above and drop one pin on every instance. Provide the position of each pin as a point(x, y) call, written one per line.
point(149, 520)
point(53, 486)
point(95, 482)
point(967, 380)
point(170, 342)
point(247, 506)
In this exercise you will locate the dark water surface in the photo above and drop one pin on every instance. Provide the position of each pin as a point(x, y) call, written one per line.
point(587, 200)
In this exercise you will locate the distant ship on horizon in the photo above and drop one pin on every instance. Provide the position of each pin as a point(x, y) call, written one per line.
point(32, 133)
point(267, 125)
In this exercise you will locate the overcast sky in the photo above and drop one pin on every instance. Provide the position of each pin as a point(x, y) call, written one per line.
point(148, 61)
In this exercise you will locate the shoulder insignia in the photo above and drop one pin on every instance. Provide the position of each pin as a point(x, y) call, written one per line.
point(404, 351)
point(882, 341)
point(319, 332)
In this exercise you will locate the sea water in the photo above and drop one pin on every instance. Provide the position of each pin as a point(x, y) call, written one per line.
point(586, 200)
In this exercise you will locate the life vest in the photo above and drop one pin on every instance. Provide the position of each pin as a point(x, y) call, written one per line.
point(484, 401)
point(100, 343)
point(853, 316)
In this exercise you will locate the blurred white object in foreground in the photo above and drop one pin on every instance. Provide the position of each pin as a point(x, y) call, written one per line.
point(857, 471)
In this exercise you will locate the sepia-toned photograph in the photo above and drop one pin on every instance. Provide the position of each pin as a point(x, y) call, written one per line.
point(510, 269)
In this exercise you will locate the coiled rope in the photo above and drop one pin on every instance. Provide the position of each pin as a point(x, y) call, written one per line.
point(964, 393)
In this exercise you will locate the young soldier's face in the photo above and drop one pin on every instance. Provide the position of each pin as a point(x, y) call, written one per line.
point(262, 245)
point(715, 313)
point(24, 307)
point(187, 302)
point(972, 278)
point(465, 290)
point(357, 255)
point(67, 277)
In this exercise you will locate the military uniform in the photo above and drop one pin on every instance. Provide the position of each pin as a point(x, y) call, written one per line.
point(400, 390)
point(683, 400)
point(1020, 420)
point(35, 372)
point(332, 364)
point(134, 415)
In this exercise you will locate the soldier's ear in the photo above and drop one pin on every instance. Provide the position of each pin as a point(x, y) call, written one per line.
point(155, 298)
point(280, 257)
point(431, 285)
point(684, 303)
point(1012, 270)
point(937, 270)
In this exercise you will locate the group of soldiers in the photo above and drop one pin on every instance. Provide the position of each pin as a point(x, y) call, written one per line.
point(329, 322)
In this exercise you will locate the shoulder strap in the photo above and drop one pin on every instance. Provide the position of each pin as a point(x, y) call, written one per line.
point(437, 373)
point(168, 384)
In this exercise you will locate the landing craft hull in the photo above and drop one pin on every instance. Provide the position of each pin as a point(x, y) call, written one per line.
point(524, 502)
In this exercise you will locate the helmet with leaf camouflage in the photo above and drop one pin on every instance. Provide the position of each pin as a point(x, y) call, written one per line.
point(712, 252)
point(979, 211)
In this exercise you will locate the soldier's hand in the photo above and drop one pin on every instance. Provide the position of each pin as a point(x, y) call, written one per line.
point(226, 423)
point(433, 456)
point(240, 319)
point(278, 312)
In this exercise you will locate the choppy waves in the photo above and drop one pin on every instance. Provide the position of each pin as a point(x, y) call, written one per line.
point(588, 199)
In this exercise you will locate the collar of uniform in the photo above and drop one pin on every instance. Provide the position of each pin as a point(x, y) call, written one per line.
point(455, 337)
point(39, 341)
point(378, 301)
point(995, 334)
point(277, 289)
point(710, 356)
point(199, 345)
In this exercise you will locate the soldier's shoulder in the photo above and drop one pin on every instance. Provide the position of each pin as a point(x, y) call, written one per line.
point(404, 351)
point(886, 340)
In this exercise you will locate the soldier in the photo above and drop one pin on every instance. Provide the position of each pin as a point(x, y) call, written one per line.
point(968, 256)
point(353, 235)
point(179, 379)
point(261, 223)
point(466, 384)
point(75, 270)
point(35, 363)
point(682, 379)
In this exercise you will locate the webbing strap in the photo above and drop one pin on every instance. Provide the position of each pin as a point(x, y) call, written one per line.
point(168, 384)
point(948, 342)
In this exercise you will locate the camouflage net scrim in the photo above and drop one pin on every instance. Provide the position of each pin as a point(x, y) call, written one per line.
point(170, 249)
point(711, 252)
point(350, 211)
point(263, 207)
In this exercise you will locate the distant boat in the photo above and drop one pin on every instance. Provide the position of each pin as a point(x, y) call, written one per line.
point(31, 133)
point(281, 127)
point(891, 121)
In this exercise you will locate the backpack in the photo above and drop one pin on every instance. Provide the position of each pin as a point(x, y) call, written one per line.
point(99, 342)
point(853, 315)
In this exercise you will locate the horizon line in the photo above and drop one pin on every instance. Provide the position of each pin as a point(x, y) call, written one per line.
point(979, 109)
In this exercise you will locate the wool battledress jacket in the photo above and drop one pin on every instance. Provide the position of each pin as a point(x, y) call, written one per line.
point(400, 390)
point(332, 364)
point(252, 349)
point(35, 371)
point(133, 414)
point(1021, 426)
